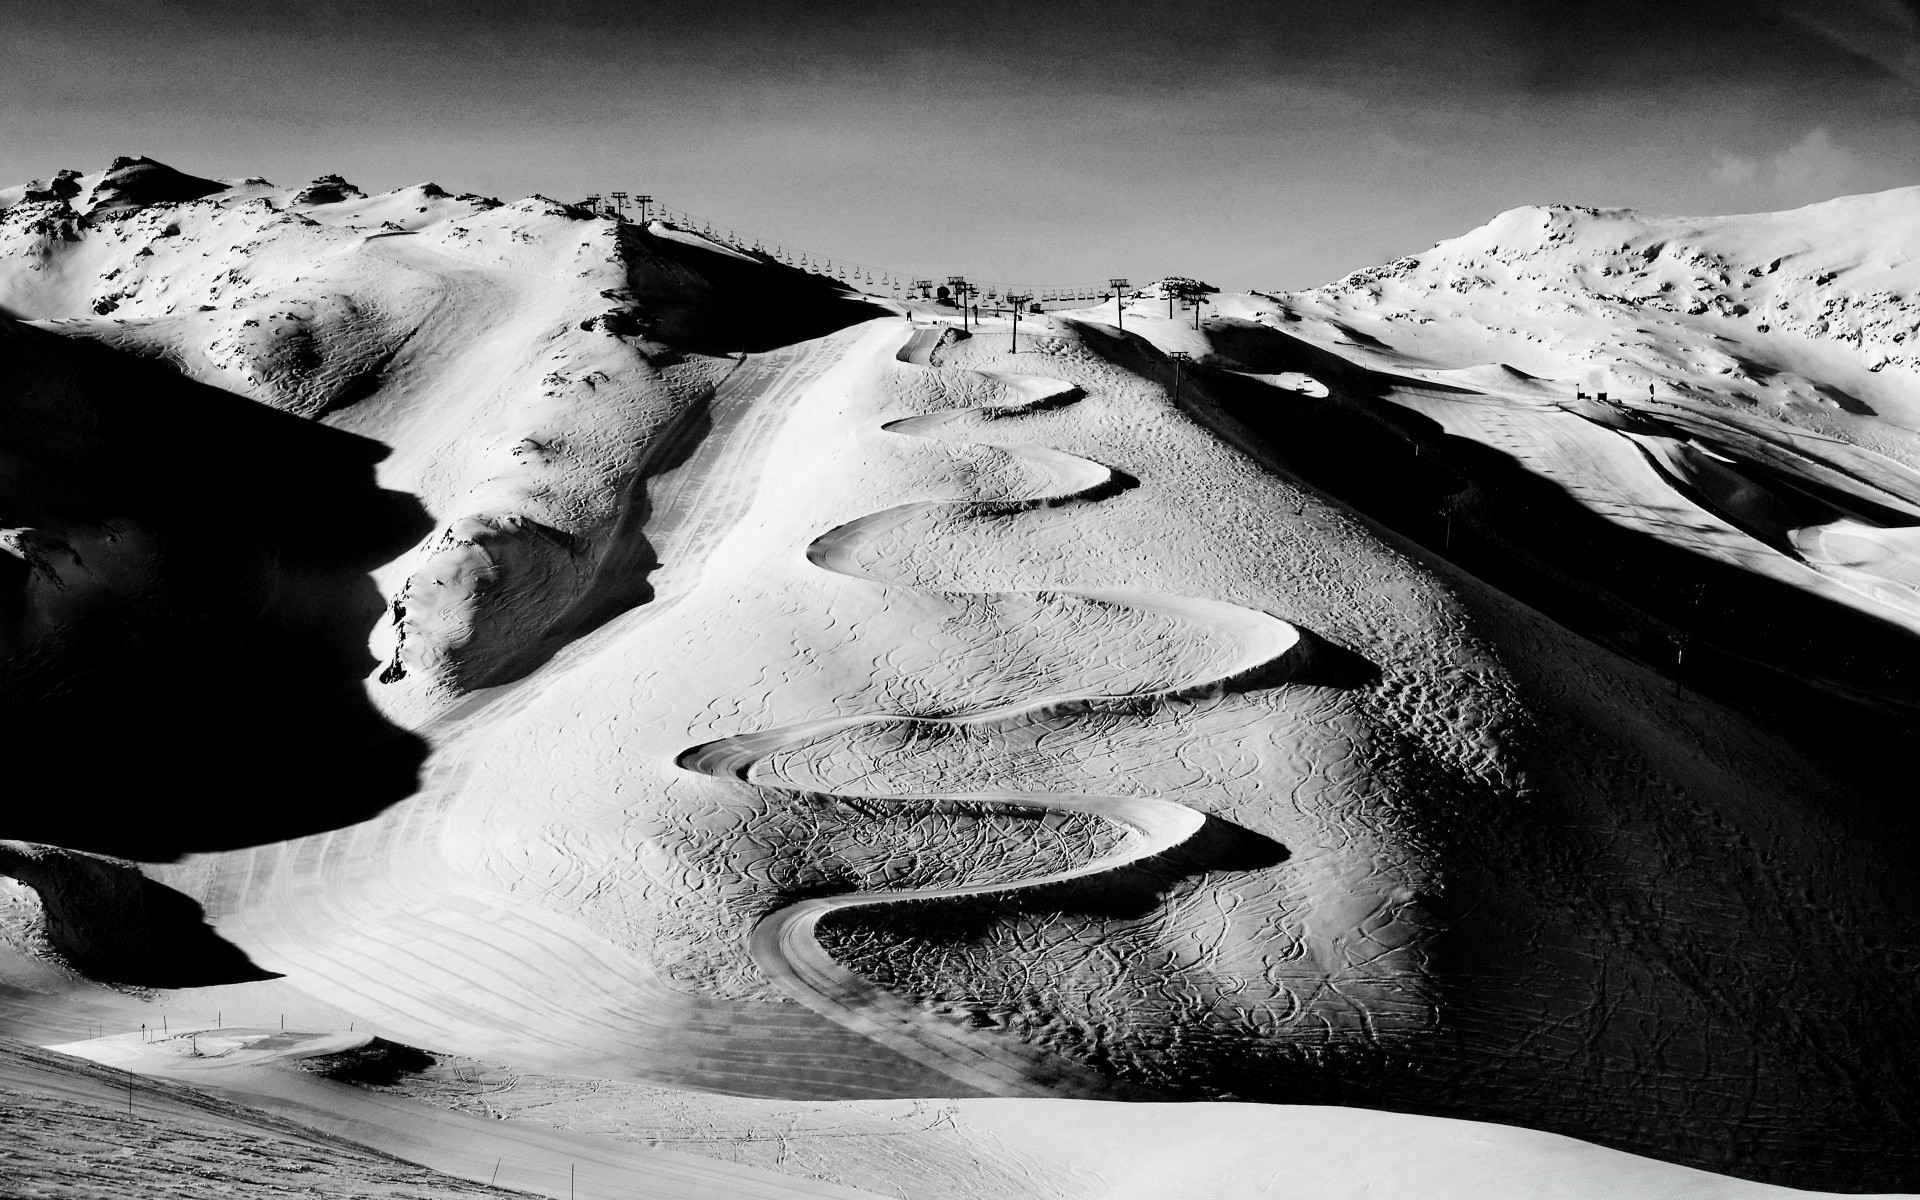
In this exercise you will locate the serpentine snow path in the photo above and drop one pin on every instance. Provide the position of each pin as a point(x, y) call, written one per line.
point(784, 943)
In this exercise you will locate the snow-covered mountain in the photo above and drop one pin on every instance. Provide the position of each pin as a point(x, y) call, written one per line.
point(520, 361)
point(1741, 389)
point(1775, 311)
point(603, 653)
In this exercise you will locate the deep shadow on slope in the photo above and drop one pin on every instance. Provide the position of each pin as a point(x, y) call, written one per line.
point(184, 610)
point(115, 925)
point(1131, 892)
point(710, 302)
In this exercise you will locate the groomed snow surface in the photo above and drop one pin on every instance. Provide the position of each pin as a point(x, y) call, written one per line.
point(587, 711)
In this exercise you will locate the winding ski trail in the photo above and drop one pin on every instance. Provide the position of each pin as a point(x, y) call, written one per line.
point(784, 943)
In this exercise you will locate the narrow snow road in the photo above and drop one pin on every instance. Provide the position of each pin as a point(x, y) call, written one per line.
point(784, 944)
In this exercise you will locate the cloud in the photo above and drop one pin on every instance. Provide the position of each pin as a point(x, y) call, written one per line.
point(1815, 167)
point(1886, 32)
point(1735, 171)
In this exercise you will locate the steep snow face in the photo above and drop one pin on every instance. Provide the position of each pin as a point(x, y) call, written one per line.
point(519, 359)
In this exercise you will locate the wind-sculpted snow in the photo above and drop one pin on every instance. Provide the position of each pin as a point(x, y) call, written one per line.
point(783, 943)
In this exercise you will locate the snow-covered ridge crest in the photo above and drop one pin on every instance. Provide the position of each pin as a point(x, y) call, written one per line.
point(1842, 274)
point(519, 358)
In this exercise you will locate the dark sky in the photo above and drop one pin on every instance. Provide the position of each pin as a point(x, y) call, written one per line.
point(1252, 144)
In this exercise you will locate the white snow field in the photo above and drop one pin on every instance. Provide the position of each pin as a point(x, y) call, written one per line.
point(630, 716)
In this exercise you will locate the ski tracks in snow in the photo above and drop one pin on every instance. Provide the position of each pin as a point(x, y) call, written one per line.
point(784, 943)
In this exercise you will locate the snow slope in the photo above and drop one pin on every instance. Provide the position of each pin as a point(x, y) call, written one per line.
point(776, 696)
point(75, 1129)
point(1760, 369)
point(612, 1137)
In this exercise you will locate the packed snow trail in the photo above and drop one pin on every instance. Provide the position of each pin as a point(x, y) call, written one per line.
point(380, 919)
point(784, 943)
